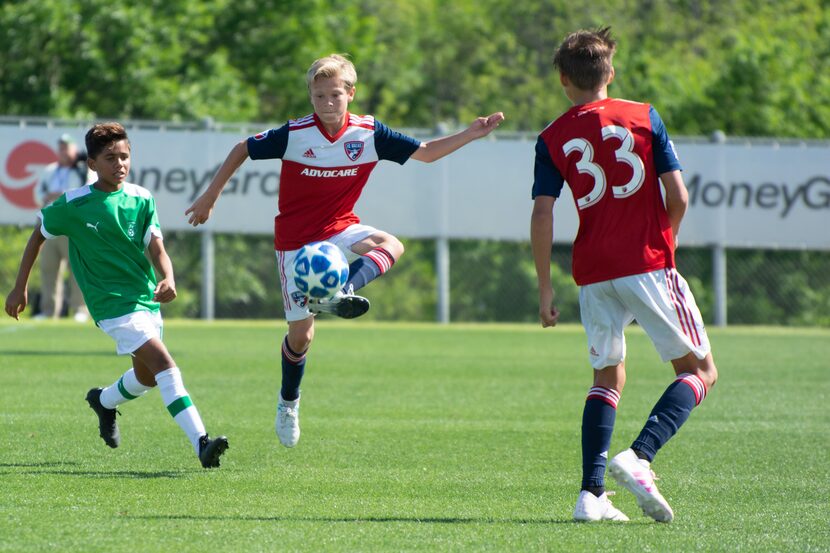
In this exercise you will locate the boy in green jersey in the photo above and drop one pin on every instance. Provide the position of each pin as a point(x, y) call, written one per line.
point(109, 224)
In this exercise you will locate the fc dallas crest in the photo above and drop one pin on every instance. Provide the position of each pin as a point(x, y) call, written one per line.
point(353, 149)
point(299, 298)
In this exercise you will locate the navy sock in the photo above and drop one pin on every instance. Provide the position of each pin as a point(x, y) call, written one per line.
point(293, 368)
point(669, 414)
point(597, 426)
point(367, 268)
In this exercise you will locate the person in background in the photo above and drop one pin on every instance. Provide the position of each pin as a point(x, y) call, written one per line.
point(70, 171)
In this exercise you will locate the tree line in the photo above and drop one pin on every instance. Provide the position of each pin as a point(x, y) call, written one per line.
point(746, 67)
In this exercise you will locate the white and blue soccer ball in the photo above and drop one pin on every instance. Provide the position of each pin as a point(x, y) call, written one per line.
point(320, 270)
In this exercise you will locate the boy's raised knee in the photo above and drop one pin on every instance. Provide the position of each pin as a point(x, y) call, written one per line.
point(393, 246)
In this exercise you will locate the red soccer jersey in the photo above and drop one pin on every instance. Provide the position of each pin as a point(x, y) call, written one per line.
point(610, 153)
point(322, 176)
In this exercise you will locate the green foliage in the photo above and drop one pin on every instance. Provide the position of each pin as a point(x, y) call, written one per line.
point(12, 242)
point(769, 77)
point(747, 67)
point(796, 293)
point(407, 292)
point(88, 58)
point(183, 249)
point(496, 281)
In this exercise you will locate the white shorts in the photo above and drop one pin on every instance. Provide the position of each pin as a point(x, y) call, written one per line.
point(295, 302)
point(133, 330)
point(661, 303)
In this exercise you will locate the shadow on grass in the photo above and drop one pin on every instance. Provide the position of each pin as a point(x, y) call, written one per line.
point(357, 519)
point(44, 464)
point(137, 474)
point(41, 353)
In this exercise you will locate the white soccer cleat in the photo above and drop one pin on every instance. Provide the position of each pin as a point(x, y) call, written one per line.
point(590, 508)
point(636, 476)
point(288, 422)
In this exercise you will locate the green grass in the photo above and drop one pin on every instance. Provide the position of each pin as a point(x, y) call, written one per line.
point(415, 438)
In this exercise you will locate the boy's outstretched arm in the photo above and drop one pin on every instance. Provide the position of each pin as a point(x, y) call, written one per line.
point(202, 208)
point(19, 296)
point(165, 291)
point(541, 242)
point(436, 149)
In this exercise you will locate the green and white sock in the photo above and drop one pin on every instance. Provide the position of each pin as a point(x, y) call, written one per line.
point(123, 390)
point(179, 405)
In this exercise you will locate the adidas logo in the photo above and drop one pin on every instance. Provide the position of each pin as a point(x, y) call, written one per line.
point(654, 419)
point(309, 153)
point(594, 352)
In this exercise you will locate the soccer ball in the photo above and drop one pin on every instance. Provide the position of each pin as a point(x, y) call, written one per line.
point(320, 270)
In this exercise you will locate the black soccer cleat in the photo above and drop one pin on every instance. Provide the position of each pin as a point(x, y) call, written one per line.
point(107, 426)
point(211, 450)
point(345, 306)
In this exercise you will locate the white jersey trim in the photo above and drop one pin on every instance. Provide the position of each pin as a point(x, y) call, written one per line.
point(76, 193)
point(131, 189)
point(46, 234)
point(308, 119)
point(152, 231)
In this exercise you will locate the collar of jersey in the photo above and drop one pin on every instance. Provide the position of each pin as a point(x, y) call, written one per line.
point(99, 191)
point(589, 105)
point(325, 133)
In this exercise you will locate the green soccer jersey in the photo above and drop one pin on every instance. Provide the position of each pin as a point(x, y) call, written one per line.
point(108, 233)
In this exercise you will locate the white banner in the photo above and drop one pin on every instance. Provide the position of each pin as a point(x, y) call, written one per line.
point(740, 195)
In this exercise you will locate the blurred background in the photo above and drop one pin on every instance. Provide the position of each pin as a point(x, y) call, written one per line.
point(755, 71)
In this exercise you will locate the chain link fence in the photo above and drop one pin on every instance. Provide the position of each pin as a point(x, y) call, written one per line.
point(490, 281)
point(493, 281)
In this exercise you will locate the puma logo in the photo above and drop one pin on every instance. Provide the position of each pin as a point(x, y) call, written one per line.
point(94, 227)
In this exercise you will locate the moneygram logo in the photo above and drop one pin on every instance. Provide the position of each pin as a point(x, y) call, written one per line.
point(22, 169)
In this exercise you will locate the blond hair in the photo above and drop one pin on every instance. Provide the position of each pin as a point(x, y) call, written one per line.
point(334, 65)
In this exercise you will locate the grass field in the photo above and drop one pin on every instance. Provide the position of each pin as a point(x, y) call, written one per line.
point(415, 438)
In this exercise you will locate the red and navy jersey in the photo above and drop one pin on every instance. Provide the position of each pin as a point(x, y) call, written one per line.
point(611, 153)
point(322, 175)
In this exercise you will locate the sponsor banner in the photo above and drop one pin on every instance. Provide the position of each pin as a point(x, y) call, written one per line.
point(740, 195)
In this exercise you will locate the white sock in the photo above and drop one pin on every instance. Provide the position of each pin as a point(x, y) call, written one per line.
point(179, 405)
point(123, 390)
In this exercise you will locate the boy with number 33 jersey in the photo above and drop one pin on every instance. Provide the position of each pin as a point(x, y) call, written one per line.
point(613, 154)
